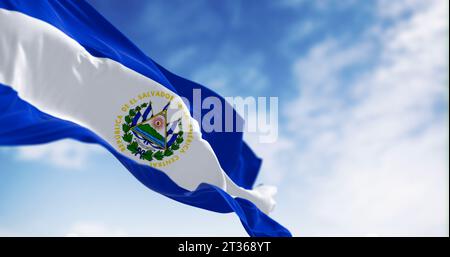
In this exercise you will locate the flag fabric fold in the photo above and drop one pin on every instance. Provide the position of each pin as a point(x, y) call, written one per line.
point(68, 73)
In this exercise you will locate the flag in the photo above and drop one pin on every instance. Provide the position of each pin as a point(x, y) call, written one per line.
point(66, 72)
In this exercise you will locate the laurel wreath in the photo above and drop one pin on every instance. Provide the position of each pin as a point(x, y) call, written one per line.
point(133, 145)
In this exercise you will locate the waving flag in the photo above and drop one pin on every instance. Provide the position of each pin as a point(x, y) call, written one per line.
point(65, 72)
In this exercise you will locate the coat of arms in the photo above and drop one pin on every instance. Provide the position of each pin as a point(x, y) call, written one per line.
point(150, 135)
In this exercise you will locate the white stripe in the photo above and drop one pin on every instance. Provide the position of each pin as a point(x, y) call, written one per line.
point(57, 75)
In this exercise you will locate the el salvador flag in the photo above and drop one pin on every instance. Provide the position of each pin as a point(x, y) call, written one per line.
point(66, 72)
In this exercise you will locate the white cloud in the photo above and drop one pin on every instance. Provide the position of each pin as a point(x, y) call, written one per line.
point(374, 148)
point(69, 154)
point(272, 154)
point(395, 9)
point(318, 4)
point(181, 57)
point(297, 33)
point(233, 71)
point(92, 229)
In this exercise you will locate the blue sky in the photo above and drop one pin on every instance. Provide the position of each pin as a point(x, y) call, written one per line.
point(363, 143)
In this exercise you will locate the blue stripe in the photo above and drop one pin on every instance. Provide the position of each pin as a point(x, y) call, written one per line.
point(172, 139)
point(135, 119)
point(173, 126)
point(147, 111)
point(80, 21)
point(165, 107)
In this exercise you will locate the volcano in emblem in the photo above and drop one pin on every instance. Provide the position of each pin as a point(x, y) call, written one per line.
point(153, 129)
